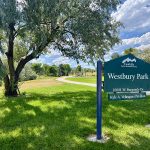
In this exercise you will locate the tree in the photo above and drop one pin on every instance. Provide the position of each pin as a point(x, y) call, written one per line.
point(79, 70)
point(144, 54)
point(64, 69)
point(27, 73)
point(53, 71)
point(46, 69)
point(67, 69)
point(38, 69)
point(115, 55)
point(61, 70)
point(129, 51)
point(78, 29)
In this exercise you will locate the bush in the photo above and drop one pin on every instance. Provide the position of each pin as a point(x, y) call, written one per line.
point(27, 74)
point(38, 69)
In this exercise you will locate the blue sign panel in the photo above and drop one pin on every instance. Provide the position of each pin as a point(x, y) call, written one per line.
point(126, 74)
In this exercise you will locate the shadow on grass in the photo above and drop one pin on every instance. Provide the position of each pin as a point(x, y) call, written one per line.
point(64, 120)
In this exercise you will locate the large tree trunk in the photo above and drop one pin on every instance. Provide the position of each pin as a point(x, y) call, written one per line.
point(9, 80)
point(11, 87)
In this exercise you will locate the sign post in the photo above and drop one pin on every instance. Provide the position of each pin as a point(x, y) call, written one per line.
point(99, 100)
point(126, 78)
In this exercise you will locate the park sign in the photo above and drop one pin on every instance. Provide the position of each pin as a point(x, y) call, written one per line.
point(125, 78)
point(126, 74)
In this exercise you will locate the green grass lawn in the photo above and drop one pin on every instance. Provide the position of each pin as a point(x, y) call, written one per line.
point(61, 117)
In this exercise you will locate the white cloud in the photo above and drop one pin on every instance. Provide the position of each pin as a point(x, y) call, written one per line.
point(144, 39)
point(141, 42)
point(71, 62)
point(134, 14)
point(61, 60)
point(132, 43)
point(142, 47)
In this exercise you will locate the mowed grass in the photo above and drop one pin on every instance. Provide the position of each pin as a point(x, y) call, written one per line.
point(62, 116)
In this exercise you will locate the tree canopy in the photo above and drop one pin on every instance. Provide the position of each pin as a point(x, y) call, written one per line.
point(143, 54)
point(130, 51)
point(79, 29)
point(115, 55)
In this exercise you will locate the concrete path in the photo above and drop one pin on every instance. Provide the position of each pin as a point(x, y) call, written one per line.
point(63, 79)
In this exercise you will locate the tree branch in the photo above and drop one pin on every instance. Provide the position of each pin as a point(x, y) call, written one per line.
point(17, 31)
point(22, 63)
point(35, 54)
point(67, 31)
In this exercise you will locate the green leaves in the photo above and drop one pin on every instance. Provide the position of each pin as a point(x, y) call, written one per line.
point(80, 29)
point(9, 13)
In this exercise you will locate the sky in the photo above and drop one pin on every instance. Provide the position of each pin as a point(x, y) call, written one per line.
point(135, 16)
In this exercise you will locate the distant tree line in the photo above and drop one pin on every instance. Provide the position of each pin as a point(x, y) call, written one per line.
point(79, 71)
point(61, 70)
point(55, 71)
point(32, 71)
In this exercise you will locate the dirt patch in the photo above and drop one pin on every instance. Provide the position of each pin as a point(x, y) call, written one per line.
point(39, 83)
point(36, 84)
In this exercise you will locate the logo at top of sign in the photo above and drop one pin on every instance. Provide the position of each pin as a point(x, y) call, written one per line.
point(128, 62)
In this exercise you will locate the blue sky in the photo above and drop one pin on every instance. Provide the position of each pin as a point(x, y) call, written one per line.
point(135, 15)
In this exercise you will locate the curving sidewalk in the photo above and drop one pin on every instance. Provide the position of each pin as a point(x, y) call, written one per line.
point(63, 79)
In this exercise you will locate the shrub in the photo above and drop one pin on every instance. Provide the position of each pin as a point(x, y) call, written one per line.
point(27, 74)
